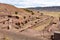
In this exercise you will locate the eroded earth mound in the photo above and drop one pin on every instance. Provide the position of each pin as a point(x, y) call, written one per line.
point(24, 24)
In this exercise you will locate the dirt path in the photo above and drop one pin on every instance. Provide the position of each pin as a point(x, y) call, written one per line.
point(16, 36)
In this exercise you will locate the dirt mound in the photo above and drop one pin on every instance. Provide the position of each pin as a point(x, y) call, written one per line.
point(27, 22)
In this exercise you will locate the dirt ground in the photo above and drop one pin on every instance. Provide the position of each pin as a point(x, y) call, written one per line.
point(24, 24)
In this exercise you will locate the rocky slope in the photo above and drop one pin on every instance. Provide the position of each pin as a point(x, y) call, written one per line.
point(26, 22)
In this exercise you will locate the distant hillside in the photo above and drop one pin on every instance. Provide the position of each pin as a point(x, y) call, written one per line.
point(53, 8)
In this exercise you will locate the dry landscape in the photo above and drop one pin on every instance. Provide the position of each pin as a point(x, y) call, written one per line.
point(25, 24)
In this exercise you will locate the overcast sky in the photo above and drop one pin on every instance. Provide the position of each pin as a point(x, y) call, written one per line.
point(31, 3)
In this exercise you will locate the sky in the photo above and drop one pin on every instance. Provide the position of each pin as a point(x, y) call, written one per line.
point(31, 3)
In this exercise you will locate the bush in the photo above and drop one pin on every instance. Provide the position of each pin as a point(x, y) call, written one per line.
point(16, 12)
point(29, 11)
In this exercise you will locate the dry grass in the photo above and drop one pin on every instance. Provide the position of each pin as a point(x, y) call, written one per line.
point(43, 24)
point(54, 14)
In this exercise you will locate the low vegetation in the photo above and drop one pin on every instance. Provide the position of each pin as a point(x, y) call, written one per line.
point(29, 11)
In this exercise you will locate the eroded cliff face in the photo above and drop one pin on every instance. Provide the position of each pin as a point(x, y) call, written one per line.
point(26, 22)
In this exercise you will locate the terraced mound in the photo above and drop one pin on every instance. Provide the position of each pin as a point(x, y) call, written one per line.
point(23, 24)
